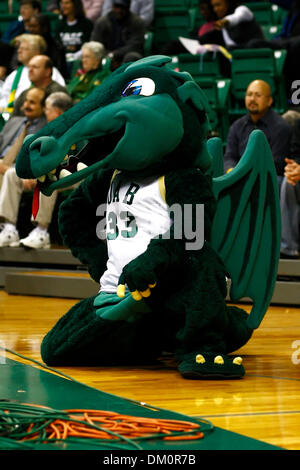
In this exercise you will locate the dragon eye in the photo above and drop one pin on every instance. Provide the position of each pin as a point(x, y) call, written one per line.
point(140, 86)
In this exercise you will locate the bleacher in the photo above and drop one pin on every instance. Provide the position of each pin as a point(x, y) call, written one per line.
point(7, 16)
point(175, 18)
point(56, 272)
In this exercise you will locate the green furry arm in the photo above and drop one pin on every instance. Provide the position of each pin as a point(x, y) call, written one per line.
point(77, 222)
point(189, 186)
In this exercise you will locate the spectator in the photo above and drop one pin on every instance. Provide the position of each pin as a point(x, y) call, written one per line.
point(142, 8)
point(56, 104)
point(15, 130)
point(234, 27)
point(121, 32)
point(82, 85)
point(92, 8)
point(13, 187)
point(290, 200)
point(40, 75)
point(74, 29)
point(40, 24)
point(29, 45)
point(27, 9)
point(207, 12)
point(258, 101)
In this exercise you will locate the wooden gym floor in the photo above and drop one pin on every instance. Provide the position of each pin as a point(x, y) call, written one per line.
point(264, 405)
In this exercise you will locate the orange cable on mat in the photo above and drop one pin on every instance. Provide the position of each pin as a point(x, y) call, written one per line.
point(99, 424)
point(131, 427)
point(24, 425)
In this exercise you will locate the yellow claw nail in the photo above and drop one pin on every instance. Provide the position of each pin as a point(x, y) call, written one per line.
point(136, 295)
point(121, 290)
point(146, 293)
point(218, 360)
point(200, 359)
point(237, 360)
point(152, 285)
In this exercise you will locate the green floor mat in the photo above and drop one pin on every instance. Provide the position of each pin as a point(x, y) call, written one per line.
point(27, 384)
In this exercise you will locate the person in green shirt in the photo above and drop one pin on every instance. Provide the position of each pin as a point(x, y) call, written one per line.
point(83, 84)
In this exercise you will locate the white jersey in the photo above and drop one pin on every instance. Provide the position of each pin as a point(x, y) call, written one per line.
point(136, 212)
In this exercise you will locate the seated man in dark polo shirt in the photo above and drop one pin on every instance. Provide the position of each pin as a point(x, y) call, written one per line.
point(258, 102)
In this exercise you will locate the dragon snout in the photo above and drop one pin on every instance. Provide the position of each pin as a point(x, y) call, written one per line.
point(45, 145)
point(44, 155)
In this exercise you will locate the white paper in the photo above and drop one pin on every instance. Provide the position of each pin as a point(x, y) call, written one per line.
point(191, 45)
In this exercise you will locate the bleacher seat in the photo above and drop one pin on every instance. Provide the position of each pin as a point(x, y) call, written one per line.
point(267, 14)
point(53, 18)
point(3, 7)
point(205, 70)
point(262, 12)
point(148, 42)
point(270, 31)
point(6, 9)
point(217, 92)
point(167, 5)
point(200, 65)
point(168, 25)
point(251, 64)
point(278, 15)
point(6, 19)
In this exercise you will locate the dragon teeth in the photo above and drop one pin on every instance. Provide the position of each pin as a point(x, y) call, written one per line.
point(42, 178)
point(81, 166)
point(64, 173)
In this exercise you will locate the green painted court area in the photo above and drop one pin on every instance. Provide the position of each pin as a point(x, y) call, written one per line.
point(30, 385)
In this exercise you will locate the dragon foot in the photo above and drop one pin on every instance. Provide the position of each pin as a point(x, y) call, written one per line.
point(211, 366)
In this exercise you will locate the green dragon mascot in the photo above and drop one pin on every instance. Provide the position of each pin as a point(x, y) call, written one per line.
point(158, 225)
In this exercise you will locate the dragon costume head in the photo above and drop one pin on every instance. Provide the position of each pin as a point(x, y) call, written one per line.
point(142, 120)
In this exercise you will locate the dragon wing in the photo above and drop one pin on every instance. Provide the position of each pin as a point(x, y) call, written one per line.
point(215, 149)
point(247, 226)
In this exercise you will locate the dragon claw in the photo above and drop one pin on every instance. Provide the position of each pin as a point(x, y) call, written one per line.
point(200, 359)
point(237, 360)
point(219, 360)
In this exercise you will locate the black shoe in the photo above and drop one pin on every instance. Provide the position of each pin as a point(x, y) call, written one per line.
point(285, 256)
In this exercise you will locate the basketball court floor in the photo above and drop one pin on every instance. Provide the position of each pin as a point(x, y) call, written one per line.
point(260, 410)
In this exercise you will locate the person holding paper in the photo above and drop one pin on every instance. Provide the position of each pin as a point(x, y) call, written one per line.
point(235, 25)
